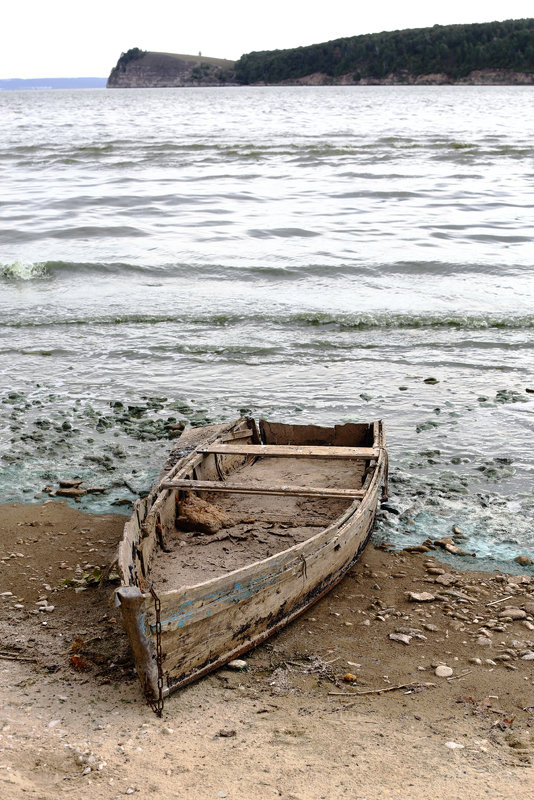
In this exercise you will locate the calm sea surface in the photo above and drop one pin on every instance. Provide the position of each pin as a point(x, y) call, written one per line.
point(306, 254)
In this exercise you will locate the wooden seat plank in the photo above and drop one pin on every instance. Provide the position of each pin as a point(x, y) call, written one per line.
point(240, 488)
point(291, 451)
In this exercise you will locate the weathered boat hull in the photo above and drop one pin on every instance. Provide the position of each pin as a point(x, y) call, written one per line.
point(203, 626)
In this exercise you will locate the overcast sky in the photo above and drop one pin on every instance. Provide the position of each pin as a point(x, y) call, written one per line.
point(64, 38)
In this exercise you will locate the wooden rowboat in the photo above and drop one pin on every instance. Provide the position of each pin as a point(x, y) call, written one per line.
point(246, 528)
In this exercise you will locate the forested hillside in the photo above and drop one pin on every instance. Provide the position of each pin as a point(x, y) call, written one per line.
point(455, 50)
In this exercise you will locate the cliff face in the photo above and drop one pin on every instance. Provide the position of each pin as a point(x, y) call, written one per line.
point(155, 70)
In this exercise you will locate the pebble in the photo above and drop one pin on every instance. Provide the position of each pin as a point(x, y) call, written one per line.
point(446, 579)
point(525, 561)
point(528, 657)
point(454, 746)
point(477, 661)
point(484, 641)
point(420, 597)
point(237, 664)
point(443, 671)
point(513, 613)
point(400, 637)
point(167, 731)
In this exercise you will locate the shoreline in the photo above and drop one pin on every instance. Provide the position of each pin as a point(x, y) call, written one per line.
point(350, 684)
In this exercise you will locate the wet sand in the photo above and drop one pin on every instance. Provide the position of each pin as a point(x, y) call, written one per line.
point(293, 725)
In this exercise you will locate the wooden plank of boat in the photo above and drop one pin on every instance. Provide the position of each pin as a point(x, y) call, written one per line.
point(291, 451)
point(242, 488)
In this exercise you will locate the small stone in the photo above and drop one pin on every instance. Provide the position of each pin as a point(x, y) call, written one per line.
point(454, 746)
point(435, 571)
point(86, 771)
point(167, 731)
point(477, 661)
point(420, 597)
point(349, 677)
point(525, 561)
point(456, 530)
point(129, 790)
point(431, 381)
point(443, 671)
point(513, 613)
point(400, 637)
point(528, 657)
point(484, 641)
point(237, 664)
point(53, 723)
point(446, 579)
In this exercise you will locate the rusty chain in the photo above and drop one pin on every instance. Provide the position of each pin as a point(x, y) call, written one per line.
point(157, 704)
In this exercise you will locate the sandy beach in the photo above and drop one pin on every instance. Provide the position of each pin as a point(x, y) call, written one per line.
point(345, 702)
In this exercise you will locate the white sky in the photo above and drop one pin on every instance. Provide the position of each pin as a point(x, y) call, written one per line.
point(64, 38)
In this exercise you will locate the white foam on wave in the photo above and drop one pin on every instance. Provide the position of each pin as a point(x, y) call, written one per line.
point(23, 270)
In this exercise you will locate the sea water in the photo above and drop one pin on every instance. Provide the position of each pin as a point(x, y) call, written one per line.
point(304, 254)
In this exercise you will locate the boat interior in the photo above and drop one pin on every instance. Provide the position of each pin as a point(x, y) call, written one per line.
point(256, 491)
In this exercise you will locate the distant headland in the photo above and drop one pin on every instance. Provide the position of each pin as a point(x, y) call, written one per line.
point(489, 53)
point(139, 69)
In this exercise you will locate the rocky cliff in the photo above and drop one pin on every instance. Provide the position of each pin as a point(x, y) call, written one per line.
point(146, 70)
point(479, 77)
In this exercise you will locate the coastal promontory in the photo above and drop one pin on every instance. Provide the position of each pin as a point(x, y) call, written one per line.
point(140, 69)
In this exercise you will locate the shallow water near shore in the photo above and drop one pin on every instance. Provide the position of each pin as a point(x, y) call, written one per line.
point(305, 254)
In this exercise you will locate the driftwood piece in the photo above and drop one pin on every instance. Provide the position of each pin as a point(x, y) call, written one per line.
point(386, 689)
point(196, 514)
point(15, 657)
point(502, 599)
point(72, 492)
